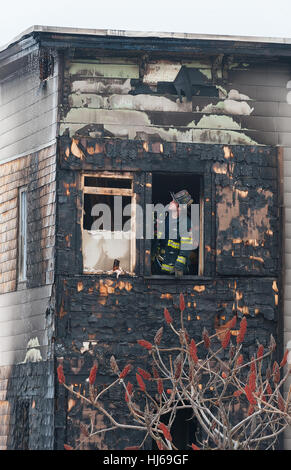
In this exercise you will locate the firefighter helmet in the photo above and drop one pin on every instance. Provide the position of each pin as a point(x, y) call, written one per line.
point(182, 197)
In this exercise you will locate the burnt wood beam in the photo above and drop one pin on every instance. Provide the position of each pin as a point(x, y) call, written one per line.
point(164, 45)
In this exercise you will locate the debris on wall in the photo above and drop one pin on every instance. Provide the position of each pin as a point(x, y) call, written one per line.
point(165, 101)
point(235, 103)
point(102, 247)
point(33, 351)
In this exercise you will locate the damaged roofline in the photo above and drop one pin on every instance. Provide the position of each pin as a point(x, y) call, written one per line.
point(64, 37)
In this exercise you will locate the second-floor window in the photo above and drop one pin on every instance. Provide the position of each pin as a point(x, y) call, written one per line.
point(177, 247)
point(109, 223)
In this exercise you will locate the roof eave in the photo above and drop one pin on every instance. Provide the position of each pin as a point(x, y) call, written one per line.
point(59, 37)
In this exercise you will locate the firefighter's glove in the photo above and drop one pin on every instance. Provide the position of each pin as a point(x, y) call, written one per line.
point(178, 273)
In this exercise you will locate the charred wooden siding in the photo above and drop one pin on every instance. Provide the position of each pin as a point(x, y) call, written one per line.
point(99, 315)
point(136, 99)
point(122, 113)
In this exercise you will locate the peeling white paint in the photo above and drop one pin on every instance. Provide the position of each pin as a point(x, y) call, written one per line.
point(214, 121)
point(222, 137)
point(207, 73)
point(142, 132)
point(233, 103)
point(82, 100)
point(236, 95)
point(129, 102)
point(148, 103)
point(228, 106)
point(236, 107)
point(222, 91)
point(102, 86)
point(161, 71)
point(85, 116)
point(93, 69)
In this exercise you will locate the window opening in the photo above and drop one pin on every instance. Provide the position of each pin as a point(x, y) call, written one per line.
point(22, 241)
point(176, 252)
point(109, 206)
point(183, 430)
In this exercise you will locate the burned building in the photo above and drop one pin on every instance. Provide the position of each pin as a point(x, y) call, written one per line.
point(87, 115)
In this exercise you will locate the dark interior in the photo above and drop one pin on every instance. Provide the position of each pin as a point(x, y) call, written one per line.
point(89, 202)
point(183, 429)
point(165, 183)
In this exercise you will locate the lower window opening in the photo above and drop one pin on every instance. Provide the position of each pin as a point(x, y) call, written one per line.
point(108, 232)
point(183, 429)
point(104, 245)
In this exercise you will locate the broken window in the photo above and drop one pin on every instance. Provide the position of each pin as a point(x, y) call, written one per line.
point(109, 221)
point(22, 235)
point(177, 250)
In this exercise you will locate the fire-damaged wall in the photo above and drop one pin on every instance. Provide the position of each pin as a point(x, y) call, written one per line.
point(112, 106)
point(160, 105)
point(212, 99)
point(101, 315)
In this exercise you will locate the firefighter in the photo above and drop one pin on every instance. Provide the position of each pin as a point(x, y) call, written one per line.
point(171, 252)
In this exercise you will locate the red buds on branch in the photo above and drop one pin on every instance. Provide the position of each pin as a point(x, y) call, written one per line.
point(140, 383)
point(145, 344)
point(182, 303)
point(61, 376)
point(167, 316)
point(165, 431)
point(92, 376)
point(125, 371)
point(242, 331)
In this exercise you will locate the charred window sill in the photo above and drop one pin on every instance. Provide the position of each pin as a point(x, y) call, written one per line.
point(108, 274)
point(178, 279)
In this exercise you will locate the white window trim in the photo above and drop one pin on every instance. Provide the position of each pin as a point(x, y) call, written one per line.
point(22, 235)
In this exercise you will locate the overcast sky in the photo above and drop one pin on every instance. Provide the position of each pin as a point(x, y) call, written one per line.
point(244, 17)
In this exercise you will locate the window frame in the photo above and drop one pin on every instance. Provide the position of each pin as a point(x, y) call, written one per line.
point(22, 235)
point(112, 192)
point(206, 261)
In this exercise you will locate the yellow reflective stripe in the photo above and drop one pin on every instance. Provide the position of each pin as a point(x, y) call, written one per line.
point(186, 238)
point(187, 242)
point(167, 267)
point(173, 244)
point(159, 234)
point(181, 259)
